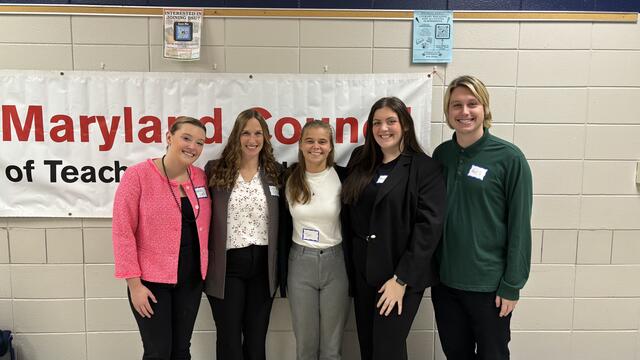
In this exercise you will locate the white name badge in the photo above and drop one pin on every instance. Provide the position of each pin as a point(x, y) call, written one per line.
point(274, 190)
point(310, 235)
point(477, 172)
point(381, 179)
point(201, 192)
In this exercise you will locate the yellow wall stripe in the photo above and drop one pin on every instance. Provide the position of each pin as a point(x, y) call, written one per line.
point(336, 14)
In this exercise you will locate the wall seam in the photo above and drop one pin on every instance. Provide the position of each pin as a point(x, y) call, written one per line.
point(149, 47)
point(73, 45)
point(84, 288)
point(373, 45)
point(299, 46)
point(515, 99)
point(224, 45)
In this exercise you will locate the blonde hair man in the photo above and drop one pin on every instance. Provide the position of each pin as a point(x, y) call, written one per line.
point(484, 258)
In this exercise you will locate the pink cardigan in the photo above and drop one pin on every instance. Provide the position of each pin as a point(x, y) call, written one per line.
point(147, 224)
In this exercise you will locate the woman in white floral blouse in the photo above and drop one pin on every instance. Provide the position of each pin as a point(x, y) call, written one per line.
point(241, 280)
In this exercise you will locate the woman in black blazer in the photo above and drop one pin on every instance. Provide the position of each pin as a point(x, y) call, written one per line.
point(242, 278)
point(396, 201)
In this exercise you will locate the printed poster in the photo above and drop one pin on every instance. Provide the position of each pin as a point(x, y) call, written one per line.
point(432, 36)
point(182, 33)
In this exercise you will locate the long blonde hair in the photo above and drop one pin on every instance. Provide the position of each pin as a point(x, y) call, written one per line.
point(225, 171)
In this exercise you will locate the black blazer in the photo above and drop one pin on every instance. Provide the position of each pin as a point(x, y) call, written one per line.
point(286, 233)
point(406, 223)
point(216, 272)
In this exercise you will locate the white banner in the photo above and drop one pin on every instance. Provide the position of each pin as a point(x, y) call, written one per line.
point(66, 138)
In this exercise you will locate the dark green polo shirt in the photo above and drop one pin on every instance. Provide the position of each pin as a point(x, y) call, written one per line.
point(487, 235)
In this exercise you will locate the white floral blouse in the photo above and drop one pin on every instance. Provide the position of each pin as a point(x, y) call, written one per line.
point(247, 216)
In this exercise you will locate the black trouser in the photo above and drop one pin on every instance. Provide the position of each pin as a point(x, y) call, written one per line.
point(381, 337)
point(166, 335)
point(242, 317)
point(469, 325)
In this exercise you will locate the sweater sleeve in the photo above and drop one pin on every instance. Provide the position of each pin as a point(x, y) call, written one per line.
point(519, 194)
point(125, 224)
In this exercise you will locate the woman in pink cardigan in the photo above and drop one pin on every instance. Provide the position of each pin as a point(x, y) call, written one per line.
point(161, 215)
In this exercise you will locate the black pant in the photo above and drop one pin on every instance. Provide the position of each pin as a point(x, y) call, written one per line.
point(166, 335)
point(242, 317)
point(382, 337)
point(469, 325)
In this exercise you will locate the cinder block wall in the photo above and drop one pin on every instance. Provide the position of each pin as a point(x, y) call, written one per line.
point(566, 93)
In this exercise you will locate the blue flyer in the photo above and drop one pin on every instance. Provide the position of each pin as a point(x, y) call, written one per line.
point(432, 36)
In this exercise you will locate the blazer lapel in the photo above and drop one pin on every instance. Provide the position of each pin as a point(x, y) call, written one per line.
point(221, 211)
point(399, 174)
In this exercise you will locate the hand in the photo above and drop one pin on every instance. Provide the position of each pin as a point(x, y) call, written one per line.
point(392, 294)
point(140, 295)
point(506, 306)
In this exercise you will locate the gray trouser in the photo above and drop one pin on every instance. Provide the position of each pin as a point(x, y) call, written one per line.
point(318, 290)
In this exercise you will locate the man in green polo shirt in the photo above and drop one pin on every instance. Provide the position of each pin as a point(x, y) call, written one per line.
point(484, 258)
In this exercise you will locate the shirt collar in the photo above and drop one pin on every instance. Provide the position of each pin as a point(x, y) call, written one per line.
point(474, 148)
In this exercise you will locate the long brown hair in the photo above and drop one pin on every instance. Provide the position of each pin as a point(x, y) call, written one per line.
point(225, 171)
point(297, 187)
point(363, 164)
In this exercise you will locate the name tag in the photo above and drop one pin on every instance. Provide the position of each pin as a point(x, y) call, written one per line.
point(381, 179)
point(310, 235)
point(274, 190)
point(201, 192)
point(477, 172)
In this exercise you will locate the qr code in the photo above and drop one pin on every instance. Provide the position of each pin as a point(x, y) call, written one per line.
point(443, 31)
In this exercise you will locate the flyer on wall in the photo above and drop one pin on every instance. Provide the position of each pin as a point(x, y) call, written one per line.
point(432, 36)
point(182, 33)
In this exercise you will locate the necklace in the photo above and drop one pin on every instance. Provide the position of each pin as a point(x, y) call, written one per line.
point(317, 177)
point(175, 198)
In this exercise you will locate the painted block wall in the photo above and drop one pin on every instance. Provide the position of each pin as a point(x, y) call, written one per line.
point(565, 93)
